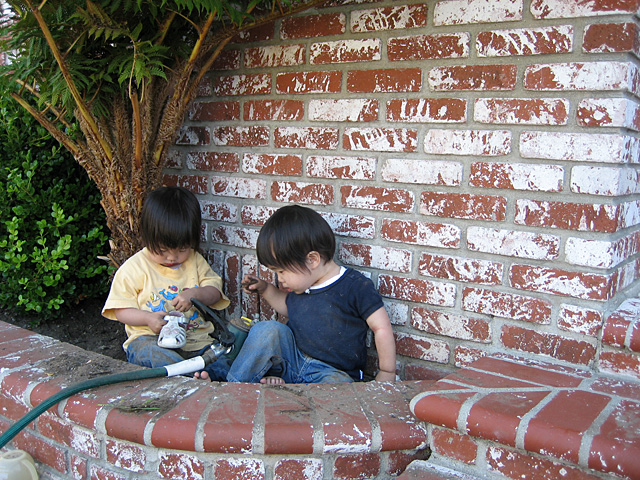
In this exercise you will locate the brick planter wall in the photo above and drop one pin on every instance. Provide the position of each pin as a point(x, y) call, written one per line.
point(477, 158)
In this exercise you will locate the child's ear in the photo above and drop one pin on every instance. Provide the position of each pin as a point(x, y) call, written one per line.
point(314, 260)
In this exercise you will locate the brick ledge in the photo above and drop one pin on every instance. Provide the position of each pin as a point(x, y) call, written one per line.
point(558, 417)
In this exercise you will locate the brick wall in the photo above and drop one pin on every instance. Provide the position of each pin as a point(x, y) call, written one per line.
point(479, 160)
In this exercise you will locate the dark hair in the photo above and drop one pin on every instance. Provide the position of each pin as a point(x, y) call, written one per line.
point(171, 219)
point(290, 234)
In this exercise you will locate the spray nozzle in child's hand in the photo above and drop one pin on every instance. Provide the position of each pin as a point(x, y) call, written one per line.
point(173, 333)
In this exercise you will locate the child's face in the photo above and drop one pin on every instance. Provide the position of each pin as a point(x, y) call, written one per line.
point(170, 257)
point(297, 281)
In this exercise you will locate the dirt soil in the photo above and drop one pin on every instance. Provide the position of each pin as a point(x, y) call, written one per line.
point(81, 325)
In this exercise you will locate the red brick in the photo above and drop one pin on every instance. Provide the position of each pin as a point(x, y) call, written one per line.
point(99, 473)
point(240, 469)
point(457, 12)
point(464, 355)
point(620, 363)
point(460, 269)
point(256, 214)
point(453, 445)
point(274, 56)
point(353, 168)
point(377, 198)
point(197, 184)
point(521, 111)
point(557, 429)
point(611, 38)
point(381, 81)
point(352, 467)
point(179, 465)
point(308, 82)
point(567, 216)
point(312, 26)
point(213, 161)
point(429, 47)
point(421, 233)
point(561, 9)
point(515, 464)
point(273, 110)
point(241, 136)
point(578, 76)
point(229, 59)
point(588, 286)
point(451, 325)
point(345, 51)
point(542, 343)
point(427, 110)
point(468, 142)
point(380, 139)
point(82, 441)
point(126, 455)
point(321, 138)
point(274, 164)
point(416, 290)
point(193, 136)
point(517, 176)
point(41, 450)
point(526, 41)
point(303, 469)
point(288, 422)
point(357, 226)
point(506, 305)
point(389, 18)
point(219, 211)
point(299, 192)
point(374, 256)
point(256, 34)
point(214, 111)
point(460, 205)
point(343, 110)
point(473, 77)
point(256, 84)
point(238, 187)
point(398, 461)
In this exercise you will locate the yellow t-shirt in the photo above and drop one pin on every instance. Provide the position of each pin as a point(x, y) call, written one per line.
point(146, 285)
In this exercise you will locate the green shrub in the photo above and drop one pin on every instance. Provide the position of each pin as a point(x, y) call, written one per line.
point(52, 227)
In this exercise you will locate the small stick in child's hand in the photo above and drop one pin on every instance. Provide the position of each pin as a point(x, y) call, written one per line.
point(246, 284)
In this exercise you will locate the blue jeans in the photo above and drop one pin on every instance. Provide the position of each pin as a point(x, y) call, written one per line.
point(146, 352)
point(270, 349)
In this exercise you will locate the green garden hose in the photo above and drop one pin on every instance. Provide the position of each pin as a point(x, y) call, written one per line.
point(187, 366)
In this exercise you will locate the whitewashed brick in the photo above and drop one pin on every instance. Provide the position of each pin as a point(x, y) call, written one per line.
point(468, 142)
point(582, 76)
point(526, 41)
point(374, 256)
point(519, 176)
point(601, 253)
point(219, 211)
point(564, 9)
point(429, 172)
point(256, 214)
point(345, 51)
point(609, 112)
point(426, 348)
point(235, 236)
point(398, 312)
point(387, 18)
point(238, 187)
point(629, 214)
point(606, 181)
point(521, 111)
point(274, 56)
point(581, 320)
point(456, 12)
point(342, 109)
point(355, 168)
point(355, 226)
point(512, 243)
point(379, 139)
point(581, 147)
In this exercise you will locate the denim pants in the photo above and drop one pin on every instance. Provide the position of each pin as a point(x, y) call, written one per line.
point(146, 352)
point(270, 349)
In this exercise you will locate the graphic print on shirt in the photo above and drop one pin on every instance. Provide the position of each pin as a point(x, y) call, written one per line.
point(158, 302)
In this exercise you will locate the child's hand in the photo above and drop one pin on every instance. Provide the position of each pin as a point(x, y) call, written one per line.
point(251, 284)
point(155, 321)
point(182, 301)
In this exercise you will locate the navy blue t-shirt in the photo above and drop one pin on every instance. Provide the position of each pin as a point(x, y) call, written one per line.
point(329, 323)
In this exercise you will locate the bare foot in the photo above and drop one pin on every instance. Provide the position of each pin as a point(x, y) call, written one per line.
point(203, 375)
point(271, 380)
